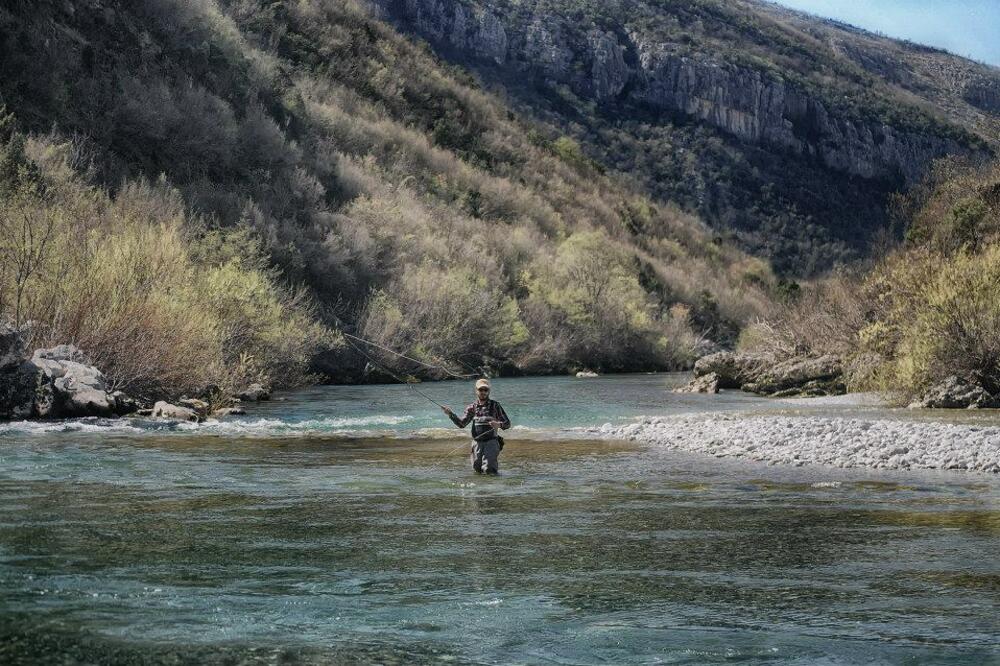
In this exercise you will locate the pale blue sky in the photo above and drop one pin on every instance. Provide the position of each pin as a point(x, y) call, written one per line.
point(968, 28)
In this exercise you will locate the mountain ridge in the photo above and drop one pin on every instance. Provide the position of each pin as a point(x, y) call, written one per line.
point(779, 84)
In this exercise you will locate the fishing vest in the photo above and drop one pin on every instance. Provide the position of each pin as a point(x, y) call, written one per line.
point(482, 414)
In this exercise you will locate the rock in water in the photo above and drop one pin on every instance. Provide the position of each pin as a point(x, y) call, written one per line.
point(200, 407)
point(165, 410)
point(54, 383)
point(124, 404)
point(587, 374)
point(22, 389)
point(955, 393)
point(255, 393)
point(78, 389)
point(705, 384)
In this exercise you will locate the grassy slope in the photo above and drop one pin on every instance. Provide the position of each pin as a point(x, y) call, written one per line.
point(413, 206)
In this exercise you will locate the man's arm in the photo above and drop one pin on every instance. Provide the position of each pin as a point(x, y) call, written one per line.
point(460, 422)
point(502, 417)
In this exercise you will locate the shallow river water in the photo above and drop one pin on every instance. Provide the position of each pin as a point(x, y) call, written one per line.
point(344, 525)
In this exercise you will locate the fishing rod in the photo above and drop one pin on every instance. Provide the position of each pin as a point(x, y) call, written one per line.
point(393, 374)
point(410, 384)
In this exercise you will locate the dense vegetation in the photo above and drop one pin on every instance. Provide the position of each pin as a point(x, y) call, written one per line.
point(195, 165)
point(164, 304)
point(926, 310)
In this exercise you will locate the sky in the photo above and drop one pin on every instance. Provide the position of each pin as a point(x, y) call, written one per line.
point(969, 28)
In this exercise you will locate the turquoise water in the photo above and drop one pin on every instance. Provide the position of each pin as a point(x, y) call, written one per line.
point(343, 525)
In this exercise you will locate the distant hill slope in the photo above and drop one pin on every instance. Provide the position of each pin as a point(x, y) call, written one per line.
point(421, 212)
point(786, 131)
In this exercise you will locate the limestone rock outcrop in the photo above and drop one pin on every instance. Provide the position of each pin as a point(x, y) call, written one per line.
point(629, 65)
point(59, 382)
point(757, 373)
point(705, 384)
point(956, 393)
point(166, 410)
point(731, 369)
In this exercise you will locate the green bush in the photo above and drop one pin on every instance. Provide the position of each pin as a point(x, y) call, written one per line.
point(443, 316)
point(940, 316)
point(927, 310)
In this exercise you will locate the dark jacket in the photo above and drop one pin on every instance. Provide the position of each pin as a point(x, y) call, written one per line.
point(479, 414)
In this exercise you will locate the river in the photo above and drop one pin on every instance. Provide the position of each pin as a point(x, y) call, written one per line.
point(344, 525)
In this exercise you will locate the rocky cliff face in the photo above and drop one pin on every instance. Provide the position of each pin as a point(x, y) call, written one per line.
point(627, 65)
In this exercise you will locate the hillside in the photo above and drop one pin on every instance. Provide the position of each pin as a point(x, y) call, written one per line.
point(278, 147)
point(781, 130)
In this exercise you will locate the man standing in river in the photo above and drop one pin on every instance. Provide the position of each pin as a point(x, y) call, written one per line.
point(487, 418)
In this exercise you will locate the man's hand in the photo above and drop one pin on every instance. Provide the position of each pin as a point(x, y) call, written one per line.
point(495, 425)
point(447, 411)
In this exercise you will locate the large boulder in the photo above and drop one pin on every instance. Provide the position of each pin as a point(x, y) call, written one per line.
point(732, 368)
point(165, 410)
point(53, 383)
point(78, 389)
point(22, 389)
point(705, 384)
point(800, 376)
point(199, 407)
point(955, 393)
point(13, 350)
point(759, 373)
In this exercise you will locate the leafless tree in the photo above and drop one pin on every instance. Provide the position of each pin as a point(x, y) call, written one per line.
point(24, 237)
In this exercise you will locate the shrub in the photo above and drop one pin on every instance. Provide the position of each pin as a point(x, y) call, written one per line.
point(439, 315)
point(927, 310)
point(162, 305)
point(939, 316)
point(588, 294)
point(318, 141)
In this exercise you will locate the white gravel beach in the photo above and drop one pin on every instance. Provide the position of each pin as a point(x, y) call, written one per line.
point(836, 441)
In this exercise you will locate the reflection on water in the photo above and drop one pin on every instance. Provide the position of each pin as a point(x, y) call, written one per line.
point(193, 548)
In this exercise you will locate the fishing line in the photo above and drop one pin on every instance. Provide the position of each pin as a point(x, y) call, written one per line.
point(408, 358)
point(393, 374)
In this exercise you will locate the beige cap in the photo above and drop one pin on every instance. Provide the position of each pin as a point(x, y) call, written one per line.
point(481, 383)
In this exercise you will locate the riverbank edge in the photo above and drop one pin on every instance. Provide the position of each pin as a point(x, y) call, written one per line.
point(844, 442)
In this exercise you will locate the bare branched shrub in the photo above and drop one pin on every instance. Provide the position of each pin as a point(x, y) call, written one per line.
point(162, 305)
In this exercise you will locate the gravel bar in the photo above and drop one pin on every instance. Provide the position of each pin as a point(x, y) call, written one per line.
point(805, 440)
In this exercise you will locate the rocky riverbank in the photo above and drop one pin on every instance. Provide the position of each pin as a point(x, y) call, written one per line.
point(827, 375)
point(61, 382)
point(835, 441)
